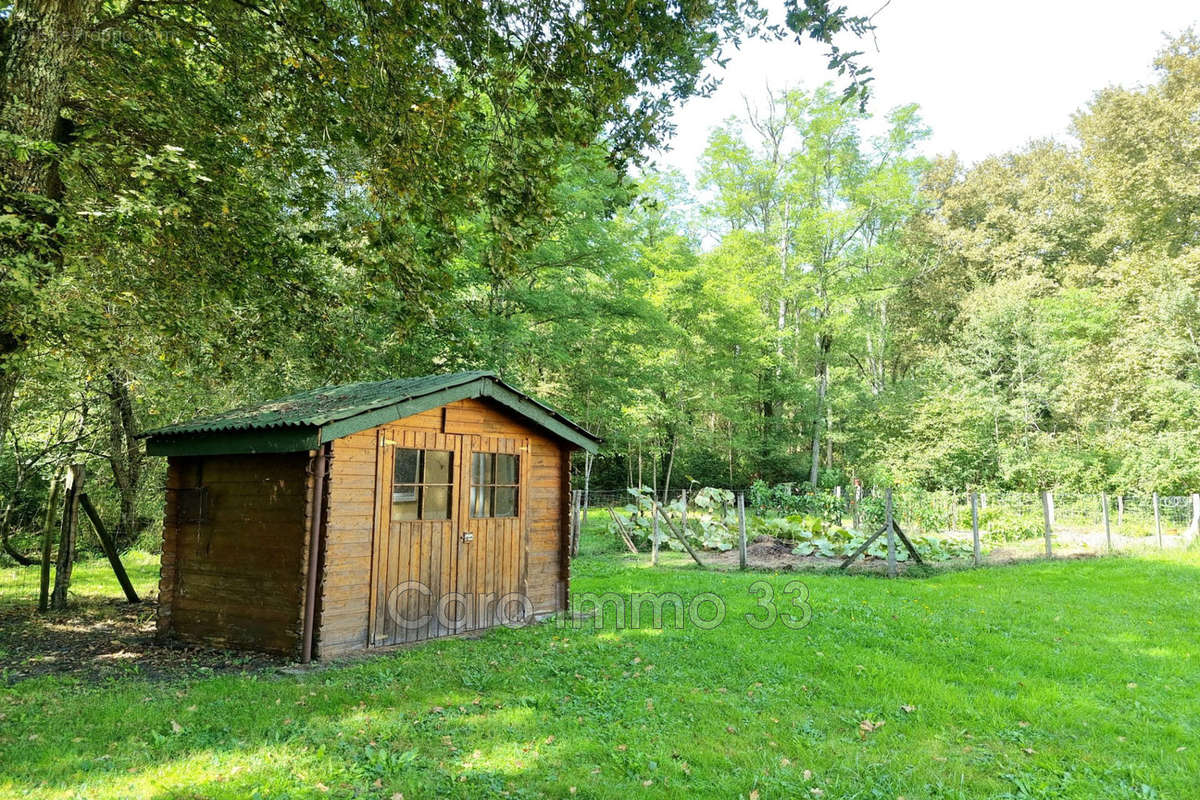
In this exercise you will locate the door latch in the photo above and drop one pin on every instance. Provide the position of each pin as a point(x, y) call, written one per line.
point(468, 537)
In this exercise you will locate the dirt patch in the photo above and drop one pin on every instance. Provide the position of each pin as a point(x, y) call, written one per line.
point(97, 640)
point(770, 553)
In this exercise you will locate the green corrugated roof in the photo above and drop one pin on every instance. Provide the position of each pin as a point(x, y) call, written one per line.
point(302, 420)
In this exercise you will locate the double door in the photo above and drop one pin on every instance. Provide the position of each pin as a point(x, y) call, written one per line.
point(449, 549)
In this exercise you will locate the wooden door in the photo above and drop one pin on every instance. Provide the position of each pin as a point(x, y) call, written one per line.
point(491, 551)
point(441, 569)
point(416, 553)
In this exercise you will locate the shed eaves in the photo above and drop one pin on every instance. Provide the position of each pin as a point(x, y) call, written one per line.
point(330, 407)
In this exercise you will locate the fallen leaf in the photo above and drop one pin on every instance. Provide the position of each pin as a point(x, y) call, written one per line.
point(907, 709)
point(784, 762)
point(176, 727)
point(1027, 751)
point(754, 794)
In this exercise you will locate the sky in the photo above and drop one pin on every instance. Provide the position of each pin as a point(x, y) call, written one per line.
point(989, 76)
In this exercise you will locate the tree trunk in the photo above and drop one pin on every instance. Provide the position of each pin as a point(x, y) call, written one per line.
point(823, 345)
point(670, 465)
point(69, 534)
point(124, 453)
point(588, 460)
point(43, 44)
point(9, 378)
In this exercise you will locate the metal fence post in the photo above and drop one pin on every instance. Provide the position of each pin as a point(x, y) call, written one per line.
point(975, 525)
point(1107, 526)
point(891, 537)
point(1157, 521)
point(741, 515)
point(654, 540)
point(1048, 516)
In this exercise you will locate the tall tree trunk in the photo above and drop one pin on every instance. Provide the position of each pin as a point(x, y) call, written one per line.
point(670, 465)
point(824, 342)
point(43, 38)
point(9, 378)
point(124, 452)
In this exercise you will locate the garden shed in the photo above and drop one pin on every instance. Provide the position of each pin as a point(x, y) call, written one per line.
point(366, 515)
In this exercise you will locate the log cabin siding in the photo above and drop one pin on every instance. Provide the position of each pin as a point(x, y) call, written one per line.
point(236, 579)
point(354, 514)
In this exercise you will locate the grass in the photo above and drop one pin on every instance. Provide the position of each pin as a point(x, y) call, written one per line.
point(1048, 679)
point(89, 579)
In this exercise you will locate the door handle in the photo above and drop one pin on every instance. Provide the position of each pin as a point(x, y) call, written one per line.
point(468, 537)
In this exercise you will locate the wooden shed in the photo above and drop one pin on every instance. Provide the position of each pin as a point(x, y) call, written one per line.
point(366, 515)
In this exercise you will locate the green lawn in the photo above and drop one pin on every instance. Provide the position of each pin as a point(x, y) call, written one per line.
point(1068, 679)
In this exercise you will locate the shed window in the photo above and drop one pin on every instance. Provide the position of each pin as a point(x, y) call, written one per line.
point(422, 484)
point(495, 481)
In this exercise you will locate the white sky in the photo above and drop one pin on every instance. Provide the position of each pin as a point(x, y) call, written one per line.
point(988, 76)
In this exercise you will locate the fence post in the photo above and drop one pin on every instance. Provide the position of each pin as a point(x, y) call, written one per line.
point(1157, 521)
point(576, 498)
point(975, 525)
point(1048, 516)
point(1107, 526)
point(683, 512)
point(891, 537)
point(68, 534)
point(1194, 527)
point(837, 496)
point(56, 485)
point(741, 515)
point(654, 541)
point(858, 506)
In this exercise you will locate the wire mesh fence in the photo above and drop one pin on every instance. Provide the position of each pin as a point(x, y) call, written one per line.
point(787, 527)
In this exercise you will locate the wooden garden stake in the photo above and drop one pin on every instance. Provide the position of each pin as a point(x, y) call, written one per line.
point(1048, 517)
point(975, 526)
point(680, 536)
point(67, 534)
point(1107, 525)
point(622, 532)
point(48, 543)
point(109, 547)
point(891, 537)
point(741, 515)
point(1157, 521)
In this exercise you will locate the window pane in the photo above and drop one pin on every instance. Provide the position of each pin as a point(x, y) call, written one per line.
point(507, 469)
point(481, 468)
point(437, 467)
point(404, 503)
point(506, 502)
point(480, 501)
point(407, 463)
point(435, 502)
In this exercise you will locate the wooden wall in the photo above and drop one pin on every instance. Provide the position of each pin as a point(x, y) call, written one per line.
point(346, 586)
point(237, 579)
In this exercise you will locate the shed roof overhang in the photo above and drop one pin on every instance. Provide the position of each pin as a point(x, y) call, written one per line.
point(307, 420)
